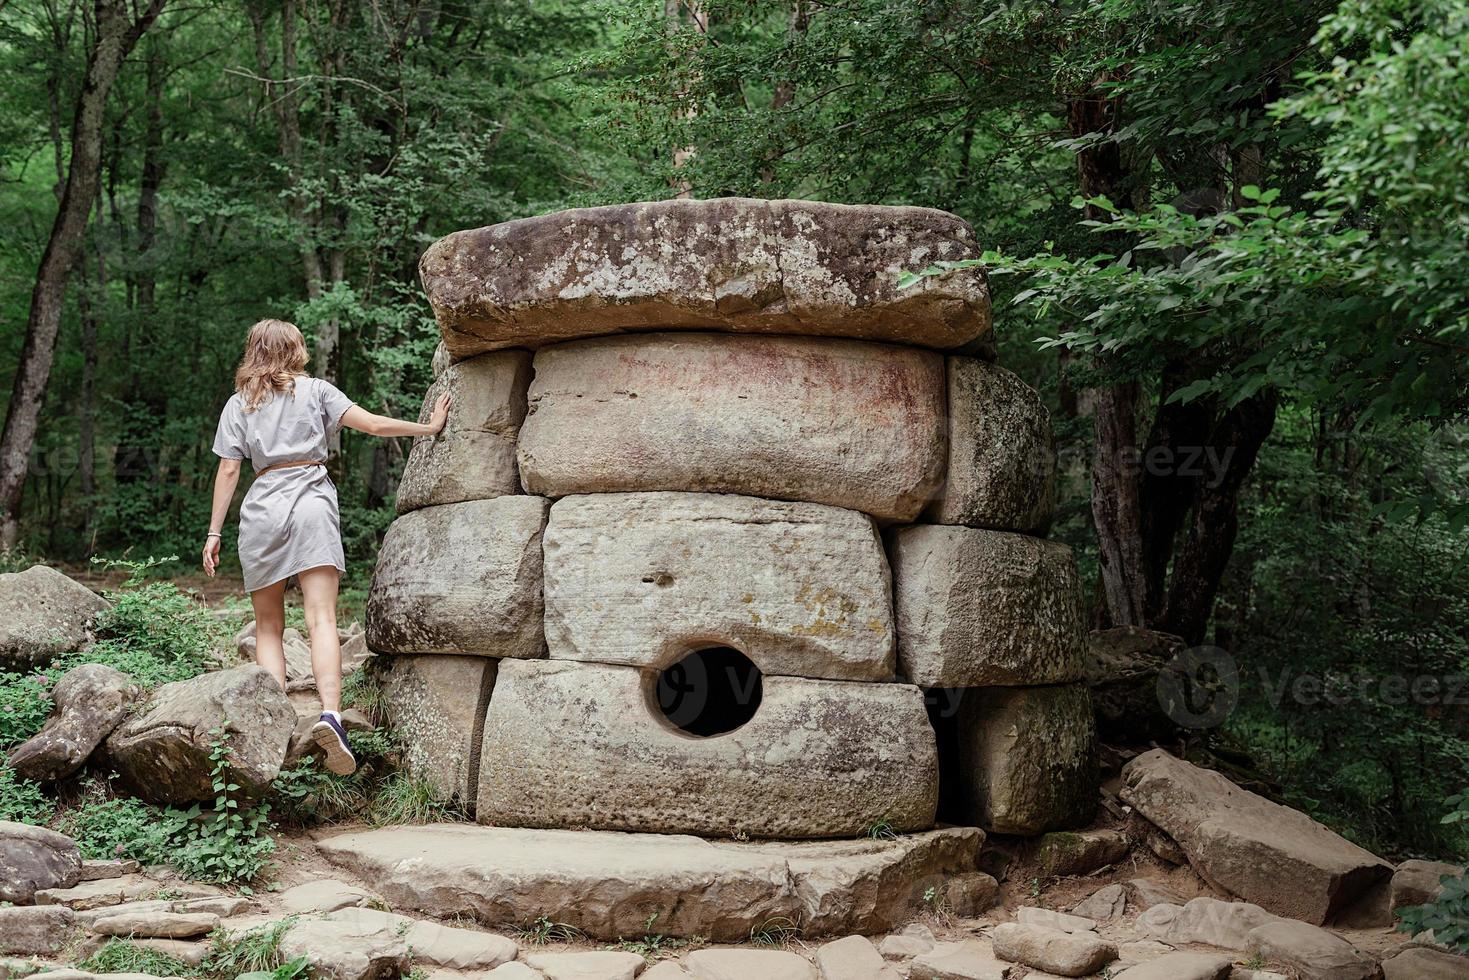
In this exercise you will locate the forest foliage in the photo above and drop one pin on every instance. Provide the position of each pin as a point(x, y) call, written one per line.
point(1235, 227)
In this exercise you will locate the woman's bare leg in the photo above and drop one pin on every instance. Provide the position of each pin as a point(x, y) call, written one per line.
point(270, 627)
point(319, 595)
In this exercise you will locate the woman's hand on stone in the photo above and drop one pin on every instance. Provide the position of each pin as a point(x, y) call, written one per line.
point(440, 414)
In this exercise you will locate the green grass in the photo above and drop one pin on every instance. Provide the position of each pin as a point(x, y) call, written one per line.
point(121, 956)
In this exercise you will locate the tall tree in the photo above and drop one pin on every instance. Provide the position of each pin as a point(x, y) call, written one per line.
point(116, 32)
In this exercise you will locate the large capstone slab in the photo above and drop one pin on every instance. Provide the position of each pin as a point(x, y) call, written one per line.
point(461, 578)
point(437, 704)
point(982, 608)
point(473, 458)
point(641, 578)
point(737, 264)
point(585, 745)
point(608, 885)
point(1027, 757)
point(1002, 456)
point(838, 422)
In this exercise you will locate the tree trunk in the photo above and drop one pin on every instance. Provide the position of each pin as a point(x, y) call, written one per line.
point(1116, 508)
point(116, 35)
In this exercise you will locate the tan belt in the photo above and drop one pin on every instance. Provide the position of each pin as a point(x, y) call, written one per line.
point(288, 464)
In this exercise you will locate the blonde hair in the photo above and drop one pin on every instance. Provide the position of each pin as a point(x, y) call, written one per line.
point(275, 356)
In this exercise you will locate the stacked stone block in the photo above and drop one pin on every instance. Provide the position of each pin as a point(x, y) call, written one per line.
point(688, 425)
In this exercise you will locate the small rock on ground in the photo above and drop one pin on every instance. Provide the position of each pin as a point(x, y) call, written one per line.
point(1181, 966)
point(602, 965)
point(1421, 963)
point(325, 895)
point(31, 930)
point(1050, 919)
point(344, 951)
point(157, 925)
point(903, 947)
point(115, 891)
point(192, 954)
point(1104, 904)
point(1310, 951)
point(34, 859)
point(853, 958)
point(433, 943)
point(1079, 852)
point(1063, 953)
point(101, 870)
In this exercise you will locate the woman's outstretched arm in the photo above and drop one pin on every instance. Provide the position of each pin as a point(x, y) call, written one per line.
point(225, 480)
point(380, 425)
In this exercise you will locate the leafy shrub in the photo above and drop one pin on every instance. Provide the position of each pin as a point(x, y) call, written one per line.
point(230, 843)
point(122, 828)
point(1448, 914)
point(21, 800)
point(25, 700)
point(155, 634)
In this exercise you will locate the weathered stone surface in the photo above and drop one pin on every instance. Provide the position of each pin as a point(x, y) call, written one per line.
point(608, 884)
point(434, 943)
point(1079, 852)
point(853, 425)
point(853, 958)
point(437, 703)
point(34, 931)
point(1002, 456)
point(971, 895)
point(88, 702)
point(1419, 882)
point(666, 970)
point(324, 895)
point(1051, 919)
point(346, 950)
point(1310, 952)
point(157, 925)
point(461, 578)
point(90, 895)
point(1121, 666)
point(1181, 966)
point(641, 578)
point(1062, 953)
point(742, 964)
point(1144, 893)
point(191, 953)
point(1027, 758)
point(985, 608)
point(1421, 963)
point(162, 752)
point(294, 646)
point(104, 868)
point(43, 614)
point(967, 960)
point(1263, 852)
point(33, 859)
point(904, 946)
point(1104, 904)
point(739, 264)
point(1204, 920)
point(473, 458)
point(852, 754)
point(598, 965)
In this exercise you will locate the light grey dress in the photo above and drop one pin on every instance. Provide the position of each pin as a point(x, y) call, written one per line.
point(288, 520)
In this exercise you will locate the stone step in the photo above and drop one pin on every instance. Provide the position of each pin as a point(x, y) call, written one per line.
point(607, 884)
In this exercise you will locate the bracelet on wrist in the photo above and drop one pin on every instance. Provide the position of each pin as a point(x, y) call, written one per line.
point(214, 534)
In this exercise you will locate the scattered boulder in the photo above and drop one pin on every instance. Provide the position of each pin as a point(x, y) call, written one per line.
point(1204, 920)
point(296, 647)
point(157, 925)
point(966, 960)
point(1310, 952)
point(838, 422)
point(1002, 456)
point(347, 951)
point(33, 859)
point(865, 755)
point(1026, 758)
point(742, 964)
point(1050, 919)
point(31, 930)
point(1104, 904)
point(979, 608)
point(744, 265)
point(1419, 882)
point(1181, 966)
point(88, 703)
point(853, 958)
point(437, 704)
point(600, 965)
point(905, 946)
point(969, 895)
point(1423, 963)
point(324, 895)
point(163, 752)
point(473, 458)
point(461, 578)
point(43, 614)
point(1079, 852)
point(1263, 852)
point(1063, 953)
point(801, 589)
point(607, 884)
point(1121, 666)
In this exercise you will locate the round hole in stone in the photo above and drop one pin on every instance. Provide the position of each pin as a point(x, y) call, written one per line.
point(710, 691)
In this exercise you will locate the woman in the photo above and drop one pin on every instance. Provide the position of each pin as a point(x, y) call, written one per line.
point(281, 420)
